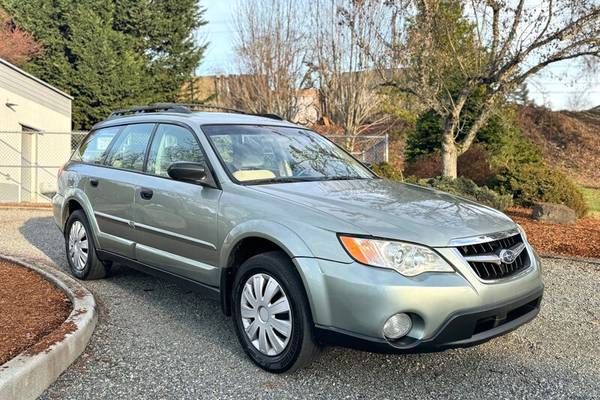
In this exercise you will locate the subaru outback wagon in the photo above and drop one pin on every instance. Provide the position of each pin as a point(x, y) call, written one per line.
point(301, 243)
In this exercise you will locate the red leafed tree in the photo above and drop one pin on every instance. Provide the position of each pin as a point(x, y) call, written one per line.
point(16, 45)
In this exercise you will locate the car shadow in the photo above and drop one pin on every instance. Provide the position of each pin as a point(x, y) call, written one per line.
point(45, 236)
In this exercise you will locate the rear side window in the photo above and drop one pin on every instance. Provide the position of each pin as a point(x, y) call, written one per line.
point(94, 148)
point(129, 148)
point(171, 144)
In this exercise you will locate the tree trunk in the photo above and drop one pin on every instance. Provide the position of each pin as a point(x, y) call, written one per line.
point(449, 158)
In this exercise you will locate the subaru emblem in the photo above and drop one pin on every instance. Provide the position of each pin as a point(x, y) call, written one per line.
point(508, 256)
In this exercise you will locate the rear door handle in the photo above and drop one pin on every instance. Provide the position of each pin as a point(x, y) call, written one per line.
point(146, 194)
point(94, 182)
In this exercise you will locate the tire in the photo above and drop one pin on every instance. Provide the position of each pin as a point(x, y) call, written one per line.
point(92, 267)
point(300, 347)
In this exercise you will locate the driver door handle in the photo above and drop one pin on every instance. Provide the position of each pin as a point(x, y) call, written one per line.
point(146, 194)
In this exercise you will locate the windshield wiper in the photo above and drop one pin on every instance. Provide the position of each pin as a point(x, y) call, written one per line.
point(281, 179)
point(291, 179)
point(343, 178)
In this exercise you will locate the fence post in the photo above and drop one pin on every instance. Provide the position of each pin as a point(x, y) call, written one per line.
point(387, 148)
point(34, 172)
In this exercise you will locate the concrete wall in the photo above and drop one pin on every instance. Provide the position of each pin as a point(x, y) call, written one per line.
point(29, 161)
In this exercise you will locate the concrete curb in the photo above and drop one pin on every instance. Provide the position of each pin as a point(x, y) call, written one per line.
point(27, 376)
point(19, 206)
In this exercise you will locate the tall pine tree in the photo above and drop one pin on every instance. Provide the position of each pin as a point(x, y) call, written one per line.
point(111, 54)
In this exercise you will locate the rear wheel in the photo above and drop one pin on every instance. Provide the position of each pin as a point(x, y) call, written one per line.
point(271, 313)
point(81, 251)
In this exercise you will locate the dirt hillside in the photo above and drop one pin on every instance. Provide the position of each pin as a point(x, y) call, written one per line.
point(568, 139)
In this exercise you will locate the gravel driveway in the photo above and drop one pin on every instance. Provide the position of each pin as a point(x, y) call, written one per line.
point(155, 340)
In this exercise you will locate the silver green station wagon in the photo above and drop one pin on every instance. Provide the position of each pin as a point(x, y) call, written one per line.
point(301, 244)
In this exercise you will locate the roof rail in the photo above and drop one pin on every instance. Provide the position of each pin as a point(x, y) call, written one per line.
point(158, 107)
point(184, 108)
point(271, 116)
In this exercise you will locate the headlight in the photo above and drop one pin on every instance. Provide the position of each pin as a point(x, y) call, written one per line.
point(408, 259)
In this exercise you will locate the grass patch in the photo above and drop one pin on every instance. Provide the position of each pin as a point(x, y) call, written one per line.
point(592, 199)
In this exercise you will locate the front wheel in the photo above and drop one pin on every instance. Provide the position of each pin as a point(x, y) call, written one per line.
point(271, 314)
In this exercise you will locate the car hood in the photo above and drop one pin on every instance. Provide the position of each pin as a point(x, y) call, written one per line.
point(388, 209)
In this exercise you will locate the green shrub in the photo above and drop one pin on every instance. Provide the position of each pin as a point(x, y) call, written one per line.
point(469, 189)
point(592, 198)
point(536, 182)
point(386, 170)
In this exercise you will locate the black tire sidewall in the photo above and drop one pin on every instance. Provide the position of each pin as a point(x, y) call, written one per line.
point(78, 215)
point(273, 264)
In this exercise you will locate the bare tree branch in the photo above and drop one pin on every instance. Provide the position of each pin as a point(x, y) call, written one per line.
point(270, 49)
point(344, 72)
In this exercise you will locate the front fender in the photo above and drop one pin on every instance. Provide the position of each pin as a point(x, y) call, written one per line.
point(275, 232)
point(279, 234)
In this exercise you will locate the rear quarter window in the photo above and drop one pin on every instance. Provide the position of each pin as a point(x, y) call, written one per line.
point(95, 146)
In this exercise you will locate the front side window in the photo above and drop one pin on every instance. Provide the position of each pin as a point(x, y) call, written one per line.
point(172, 144)
point(129, 148)
point(94, 148)
point(267, 154)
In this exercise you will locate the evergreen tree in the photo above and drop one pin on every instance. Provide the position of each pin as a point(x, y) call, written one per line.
point(111, 54)
point(163, 33)
point(520, 95)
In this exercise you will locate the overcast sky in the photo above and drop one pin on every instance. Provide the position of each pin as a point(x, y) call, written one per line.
point(560, 87)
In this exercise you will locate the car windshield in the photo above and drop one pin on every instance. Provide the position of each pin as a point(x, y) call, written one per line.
point(272, 154)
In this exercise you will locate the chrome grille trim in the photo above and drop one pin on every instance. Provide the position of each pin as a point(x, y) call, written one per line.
point(490, 237)
point(498, 259)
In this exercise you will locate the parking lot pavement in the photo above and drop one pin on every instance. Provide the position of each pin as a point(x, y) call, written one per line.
point(155, 340)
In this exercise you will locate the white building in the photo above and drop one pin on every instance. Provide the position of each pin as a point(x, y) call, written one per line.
point(35, 140)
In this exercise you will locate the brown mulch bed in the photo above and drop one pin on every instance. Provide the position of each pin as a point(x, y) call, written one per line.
point(578, 240)
point(31, 310)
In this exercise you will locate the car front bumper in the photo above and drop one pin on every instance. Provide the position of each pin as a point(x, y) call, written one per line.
point(464, 329)
point(350, 304)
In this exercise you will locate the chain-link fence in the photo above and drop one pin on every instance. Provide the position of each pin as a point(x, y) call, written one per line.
point(29, 163)
point(369, 149)
point(30, 160)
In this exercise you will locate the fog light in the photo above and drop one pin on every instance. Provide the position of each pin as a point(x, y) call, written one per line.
point(397, 326)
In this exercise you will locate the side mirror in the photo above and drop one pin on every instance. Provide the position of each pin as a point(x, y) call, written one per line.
point(191, 172)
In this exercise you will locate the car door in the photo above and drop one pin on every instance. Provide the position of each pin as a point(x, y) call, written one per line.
point(111, 190)
point(176, 222)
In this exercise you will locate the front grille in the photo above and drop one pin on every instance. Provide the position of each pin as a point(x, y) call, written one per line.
point(479, 255)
